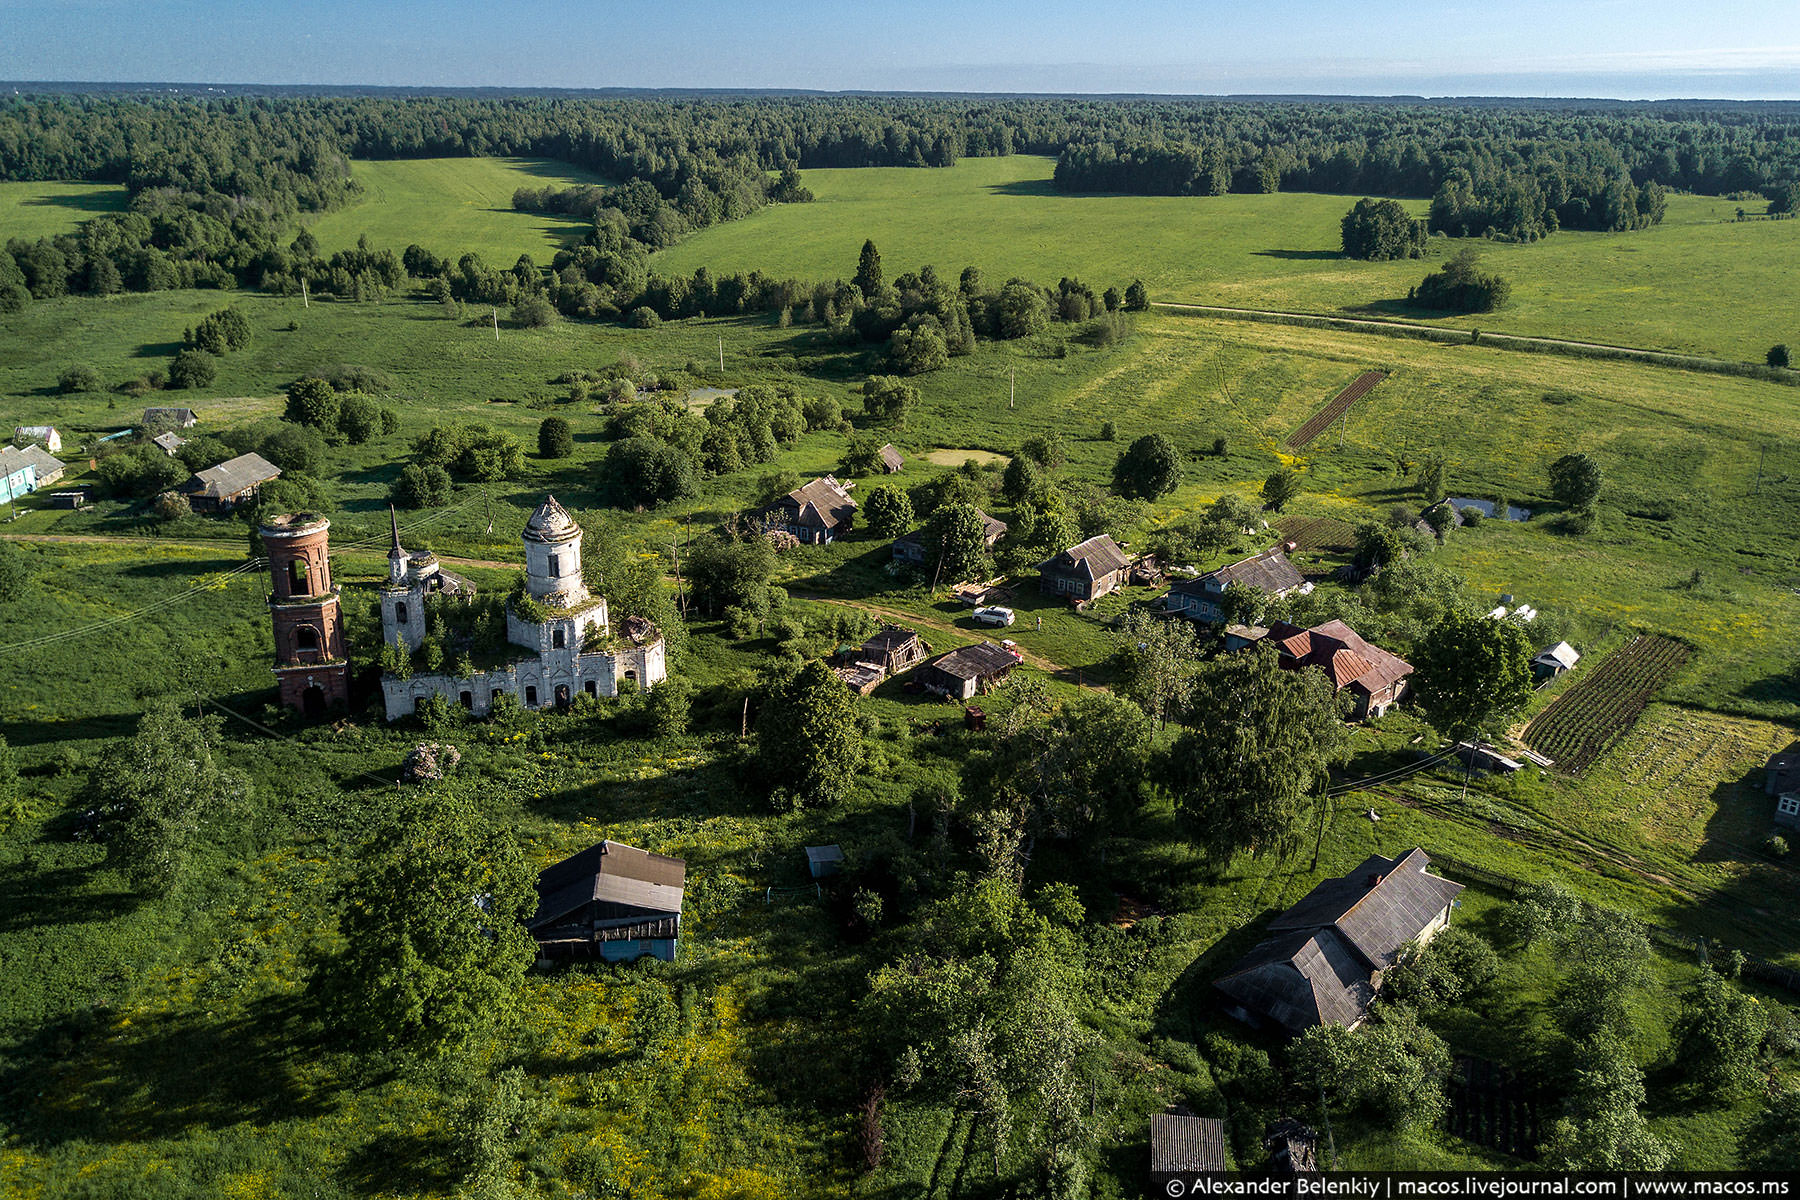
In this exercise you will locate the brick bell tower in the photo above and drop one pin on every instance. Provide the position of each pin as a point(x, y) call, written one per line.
point(311, 667)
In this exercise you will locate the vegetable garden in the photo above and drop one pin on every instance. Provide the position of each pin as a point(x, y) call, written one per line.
point(1320, 421)
point(1584, 722)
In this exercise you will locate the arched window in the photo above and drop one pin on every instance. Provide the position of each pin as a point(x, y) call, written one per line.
point(306, 638)
point(631, 676)
point(555, 565)
point(296, 577)
point(400, 613)
point(556, 639)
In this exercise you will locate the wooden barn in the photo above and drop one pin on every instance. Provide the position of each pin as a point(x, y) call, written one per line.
point(961, 674)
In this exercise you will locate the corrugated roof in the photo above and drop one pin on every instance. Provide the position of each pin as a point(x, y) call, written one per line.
point(1269, 572)
point(232, 476)
point(821, 502)
point(1562, 654)
point(1179, 1143)
point(1379, 907)
point(890, 457)
point(1300, 979)
point(1337, 649)
point(824, 854)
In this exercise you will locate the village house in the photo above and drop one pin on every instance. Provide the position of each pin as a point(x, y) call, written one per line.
point(1782, 781)
point(1085, 571)
point(910, 547)
point(1203, 599)
point(1323, 962)
point(168, 442)
point(611, 901)
point(1181, 1145)
point(46, 435)
point(169, 418)
point(231, 483)
point(891, 462)
point(46, 467)
point(18, 474)
point(817, 513)
point(962, 674)
point(1375, 679)
point(559, 640)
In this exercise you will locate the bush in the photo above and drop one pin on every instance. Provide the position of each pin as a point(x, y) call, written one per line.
point(359, 418)
point(312, 401)
point(421, 487)
point(1380, 230)
point(533, 312)
point(192, 369)
point(170, 506)
point(643, 318)
point(1109, 432)
point(295, 448)
point(79, 377)
point(1473, 516)
point(555, 438)
point(1458, 287)
point(1778, 355)
point(1776, 847)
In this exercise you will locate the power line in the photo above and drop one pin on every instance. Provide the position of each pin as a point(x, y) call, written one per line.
point(158, 606)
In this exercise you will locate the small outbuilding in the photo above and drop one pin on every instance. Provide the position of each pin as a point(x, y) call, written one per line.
point(168, 442)
point(1554, 661)
point(1183, 1145)
point(170, 418)
point(824, 860)
point(962, 674)
point(611, 901)
point(910, 547)
point(891, 462)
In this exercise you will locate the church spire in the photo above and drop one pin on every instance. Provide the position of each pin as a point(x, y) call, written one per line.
point(396, 553)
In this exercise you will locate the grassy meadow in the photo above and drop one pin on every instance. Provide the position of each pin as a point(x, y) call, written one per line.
point(1698, 283)
point(452, 206)
point(38, 210)
point(173, 1042)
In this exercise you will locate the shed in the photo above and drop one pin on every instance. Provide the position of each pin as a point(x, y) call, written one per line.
point(231, 483)
point(824, 860)
point(77, 498)
point(891, 462)
point(1291, 1147)
point(1554, 661)
point(961, 674)
point(1182, 1145)
point(169, 442)
point(910, 547)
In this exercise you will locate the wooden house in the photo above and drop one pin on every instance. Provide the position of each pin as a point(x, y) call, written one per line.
point(890, 651)
point(231, 483)
point(1783, 782)
point(611, 901)
point(1085, 571)
point(1203, 598)
point(1554, 661)
point(18, 474)
point(1375, 679)
point(1323, 962)
point(962, 674)
point(910, 547)
point(891, 462)
point(816, 514)
point(169, 442)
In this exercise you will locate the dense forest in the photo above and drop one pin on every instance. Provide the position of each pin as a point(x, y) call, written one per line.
point(216, 184)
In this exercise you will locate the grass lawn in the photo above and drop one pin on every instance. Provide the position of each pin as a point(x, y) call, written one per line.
point(452, 206)
point(1699, 283)
point(39, 210)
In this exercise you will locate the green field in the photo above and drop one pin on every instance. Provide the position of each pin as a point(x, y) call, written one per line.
point(39, 210)
point(452, 206)
point(1699, 283)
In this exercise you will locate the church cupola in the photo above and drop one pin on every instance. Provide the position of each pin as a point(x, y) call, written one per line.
point(396, 552)
point(553, 556)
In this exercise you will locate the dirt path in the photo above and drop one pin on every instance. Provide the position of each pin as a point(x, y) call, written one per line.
point(224, 546)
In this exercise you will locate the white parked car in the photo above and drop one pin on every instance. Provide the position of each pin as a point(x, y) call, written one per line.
point(995, 615)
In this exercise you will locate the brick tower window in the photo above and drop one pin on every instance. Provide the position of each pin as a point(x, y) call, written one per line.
point(297, 585)
point(306, 638)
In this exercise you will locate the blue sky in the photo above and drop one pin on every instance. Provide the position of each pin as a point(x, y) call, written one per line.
point(1632, 49)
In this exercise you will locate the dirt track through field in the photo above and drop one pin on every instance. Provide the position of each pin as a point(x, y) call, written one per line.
point(226, 547)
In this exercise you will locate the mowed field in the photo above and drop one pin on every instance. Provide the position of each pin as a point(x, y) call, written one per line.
point(38, 210)
point(454, 205)
point(1699, 283)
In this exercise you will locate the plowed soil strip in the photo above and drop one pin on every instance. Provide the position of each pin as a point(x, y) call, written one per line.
point(1321, 420)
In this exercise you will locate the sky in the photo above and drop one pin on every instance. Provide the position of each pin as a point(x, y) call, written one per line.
point(1624, 49)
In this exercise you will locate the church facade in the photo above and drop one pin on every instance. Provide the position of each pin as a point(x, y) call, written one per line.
point(564, 644)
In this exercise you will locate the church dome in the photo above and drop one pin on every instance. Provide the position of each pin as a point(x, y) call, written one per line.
point(551, 523)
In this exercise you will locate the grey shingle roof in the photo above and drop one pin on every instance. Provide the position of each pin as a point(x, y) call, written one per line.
point(1180, 1143)
point(1097, 556)
point(47, 464)
point(1301, 979)
point(1379, 917)
point(1269, 572)
point(232, 476)
point(821, 503)
point(975, 662)
point(890, 457)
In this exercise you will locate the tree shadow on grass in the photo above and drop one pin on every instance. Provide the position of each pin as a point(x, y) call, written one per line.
point(1301, 255)
point(59, 896)
point(98, 1078)
point(91, 727)
point(157, 350)
point(391, 1163)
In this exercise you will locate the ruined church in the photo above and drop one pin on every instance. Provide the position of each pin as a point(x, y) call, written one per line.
point(563, 643)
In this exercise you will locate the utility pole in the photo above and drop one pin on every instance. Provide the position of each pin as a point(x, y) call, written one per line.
point(1762, 452)
point(721, 355)
point(680, 596)
point(496, 315)
point(1012, 393)
point(304, 302)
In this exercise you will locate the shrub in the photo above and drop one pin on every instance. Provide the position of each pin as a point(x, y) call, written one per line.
point(359, 418)
point(555, 438)
point(1473, 516)
point(1776, 847)
point(192, 369)
point(643, 318)
point(421, 487)
point(79, 377)
point(1778, 355)
point(1458, 287)
point(295, 448)
point(533, 312)
point(312, 401)
point(170, 506)
point(1109, 432)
